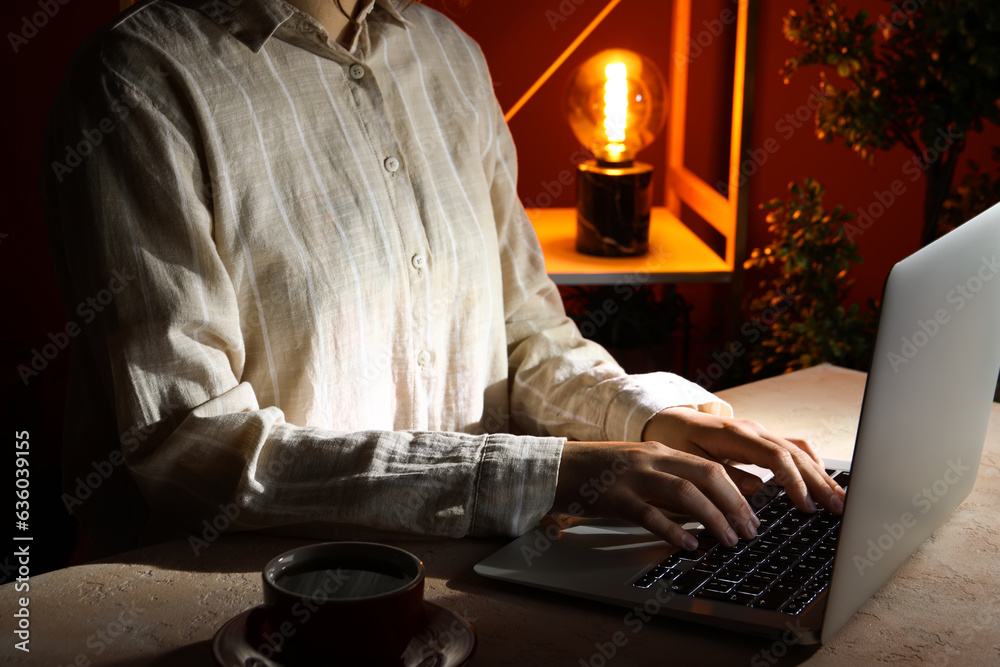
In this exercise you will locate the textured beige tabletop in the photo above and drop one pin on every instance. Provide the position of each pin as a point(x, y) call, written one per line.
point(161, 605)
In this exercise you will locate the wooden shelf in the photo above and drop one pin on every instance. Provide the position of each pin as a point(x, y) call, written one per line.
point(675, 255)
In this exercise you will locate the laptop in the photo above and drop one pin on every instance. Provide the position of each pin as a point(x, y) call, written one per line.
point(920, 438)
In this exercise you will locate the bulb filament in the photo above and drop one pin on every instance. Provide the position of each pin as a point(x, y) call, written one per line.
point(615, 105)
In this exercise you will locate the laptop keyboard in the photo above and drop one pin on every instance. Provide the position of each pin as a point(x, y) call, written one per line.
point(783, 569)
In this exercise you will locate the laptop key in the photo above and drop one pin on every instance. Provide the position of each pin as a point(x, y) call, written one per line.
point(754, 555)
point(750, 588)
point(688, 582)
point(658, 571)
point(773, 542)
point(798, 518)
point(671, 561)
point(815, 587)
point(742, 599)
point(815, 531)
point(741, 566)
point(795, 548)
point(782, 502)
point(789, 588)
point(785, 529)
point(772, 569)
point(795, 576)
point(706, 541)
point(799, 602)
point(794, 608)
point(730, 575)
point(807, 570)
point(772, 600)
point(716, 558)
point(729, 552)
point(806, 541)
point(716, 586)
point(763, 497)
point(819, 560)
point(711, 565)
point(824, 549)
point(786, 560)
point(765, 523)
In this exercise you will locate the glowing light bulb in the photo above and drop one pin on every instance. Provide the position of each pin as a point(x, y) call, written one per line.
point(615, 104)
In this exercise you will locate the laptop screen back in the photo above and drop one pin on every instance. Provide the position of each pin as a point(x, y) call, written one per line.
point(926, 409)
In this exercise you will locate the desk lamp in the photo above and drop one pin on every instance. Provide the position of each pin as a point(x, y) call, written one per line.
point(615, 105)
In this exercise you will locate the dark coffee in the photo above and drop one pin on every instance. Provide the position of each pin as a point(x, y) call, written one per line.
point(344, 580)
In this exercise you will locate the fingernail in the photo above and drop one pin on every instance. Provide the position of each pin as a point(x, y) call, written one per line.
point(690, 543)
point(731, 536)
point(751, 528)
point(837, 504)
point(811, 504)
point(756, 521)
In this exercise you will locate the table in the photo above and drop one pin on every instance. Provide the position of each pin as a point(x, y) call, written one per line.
point(161, 605)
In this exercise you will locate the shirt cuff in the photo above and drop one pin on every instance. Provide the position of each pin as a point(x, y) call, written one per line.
point(516, 485)
point(645, 395)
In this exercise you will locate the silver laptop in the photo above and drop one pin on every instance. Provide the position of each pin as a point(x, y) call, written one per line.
point(920, 439)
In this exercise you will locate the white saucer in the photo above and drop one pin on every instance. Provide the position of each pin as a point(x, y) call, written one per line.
point(444, 639)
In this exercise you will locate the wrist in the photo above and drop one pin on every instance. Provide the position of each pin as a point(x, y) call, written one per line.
point(664, 421)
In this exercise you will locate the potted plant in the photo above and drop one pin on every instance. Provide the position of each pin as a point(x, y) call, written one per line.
point(800, 319)
point(922, 76)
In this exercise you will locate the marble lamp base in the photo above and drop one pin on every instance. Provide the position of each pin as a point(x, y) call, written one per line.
point(613, 204)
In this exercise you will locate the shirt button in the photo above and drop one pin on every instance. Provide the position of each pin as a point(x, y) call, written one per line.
point(424, 358)
point(357, 71)
point(418, 261)
point(391, 164)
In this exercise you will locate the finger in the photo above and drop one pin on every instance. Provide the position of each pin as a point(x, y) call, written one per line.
point(703, 490)
point(819, 486)
point(653, 520)
point(783, 462)
point(805, 446)
point(826, 491)
point(792, 465)
point(748, 483)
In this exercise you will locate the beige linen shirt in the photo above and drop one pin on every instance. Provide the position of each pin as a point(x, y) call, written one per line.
point(322, 307)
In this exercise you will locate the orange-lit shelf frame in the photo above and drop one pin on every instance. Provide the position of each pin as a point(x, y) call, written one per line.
point(676, 254)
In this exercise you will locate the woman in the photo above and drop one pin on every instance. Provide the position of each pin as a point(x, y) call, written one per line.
point(339, 310)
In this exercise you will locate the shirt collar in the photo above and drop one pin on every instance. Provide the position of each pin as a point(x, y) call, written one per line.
point(253, 22)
